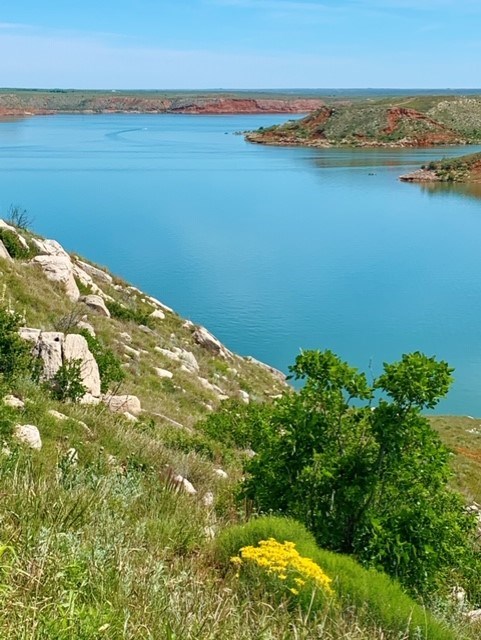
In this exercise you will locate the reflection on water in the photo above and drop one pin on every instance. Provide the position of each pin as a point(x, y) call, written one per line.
point(467, 190)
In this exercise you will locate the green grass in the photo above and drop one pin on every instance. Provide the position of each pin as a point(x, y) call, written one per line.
point(376, 598)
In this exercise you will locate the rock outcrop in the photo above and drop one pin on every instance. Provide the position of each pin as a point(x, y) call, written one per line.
point(59, 268)
point(55, 348)
point(4, 253)
point(208, 341)
point(96, 303)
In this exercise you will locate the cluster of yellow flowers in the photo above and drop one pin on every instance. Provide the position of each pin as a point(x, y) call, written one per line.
point(283, 561)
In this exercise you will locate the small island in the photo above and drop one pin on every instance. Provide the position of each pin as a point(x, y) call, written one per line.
point(466, 168)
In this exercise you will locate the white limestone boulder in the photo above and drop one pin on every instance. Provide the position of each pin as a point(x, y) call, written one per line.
point(158, 315)
point(49, 247)
point(4, 253)
point(95, 303)
point(59, 268)
point(123, 404)
point(209, 342)
point(95, 272)
point(29, 435)
point(13, 402)
point(163, 373)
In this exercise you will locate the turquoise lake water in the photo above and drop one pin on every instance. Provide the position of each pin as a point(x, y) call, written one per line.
point(273, 249)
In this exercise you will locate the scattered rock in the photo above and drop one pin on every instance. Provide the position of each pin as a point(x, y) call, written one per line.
point(474, 615)
point(159, 304)
point(95, 272)
point(163, 373)
point(126, 337)
point(220, 473)
point(28, 434)
point(96, 303)
point(130, 351)
point(57, 415)
point(87, 326)
point(130, 417)
point(184, 484)
point(12, 401)
point(210, 532)
point(157, 314)
point(4, 253)
point(59, 268)
point(123, 404)
point(208, 499)
point(210, 387)
point(244, 396)
point(86, 280)
point(206, 340)
point(275, 372)
point(145, 329)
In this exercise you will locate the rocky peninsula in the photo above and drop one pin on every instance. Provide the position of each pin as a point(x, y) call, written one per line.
point(408, 122)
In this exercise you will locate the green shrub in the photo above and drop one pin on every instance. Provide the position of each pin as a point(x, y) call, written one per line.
point(376, 597)
point(238, 425)
point(128, 314)
point(110, 367)
point(368, 477)
point(67, 382)
point(13, 245)
point(15, 355)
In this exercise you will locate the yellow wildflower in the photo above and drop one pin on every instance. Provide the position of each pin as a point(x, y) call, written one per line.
point(284, 562)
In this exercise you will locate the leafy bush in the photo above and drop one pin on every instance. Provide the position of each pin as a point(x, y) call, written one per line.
point(238, 425)
point(128, 314)
point(13, 245)
point(367, 480)
point(110, 367)
point(15, 355)
point(67, 382)
point(376, 597)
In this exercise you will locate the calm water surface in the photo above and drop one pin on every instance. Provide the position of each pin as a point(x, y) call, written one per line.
point(272, 249)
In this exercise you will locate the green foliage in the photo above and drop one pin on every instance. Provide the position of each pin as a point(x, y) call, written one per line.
point(110, 367)
point(375, 596)
point(128, 314)
point(67, 382)
point(13, 245)
point(367, 480)
point(15, 357)
point(237, 425)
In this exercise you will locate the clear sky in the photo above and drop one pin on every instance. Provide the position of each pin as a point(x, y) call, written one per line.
point(175, 44)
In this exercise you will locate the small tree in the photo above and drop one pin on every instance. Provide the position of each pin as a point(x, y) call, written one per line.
point(67, 382)
point(367, 477)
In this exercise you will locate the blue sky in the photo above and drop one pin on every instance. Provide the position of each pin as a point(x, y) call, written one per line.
point(181, 44)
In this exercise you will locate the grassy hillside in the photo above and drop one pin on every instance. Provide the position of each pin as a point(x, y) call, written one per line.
point(466, 168)
point(98, 536)
point(406, 121)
